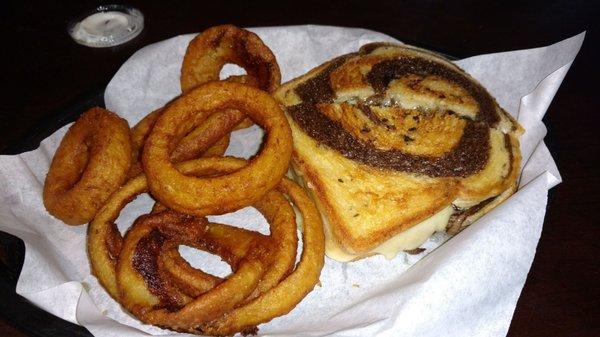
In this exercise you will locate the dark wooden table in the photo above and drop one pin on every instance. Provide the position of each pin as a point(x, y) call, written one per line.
point(44, 72)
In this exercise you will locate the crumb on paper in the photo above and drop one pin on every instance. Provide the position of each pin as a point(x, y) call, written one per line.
point(415, 251)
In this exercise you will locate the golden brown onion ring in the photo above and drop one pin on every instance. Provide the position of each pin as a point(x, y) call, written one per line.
point(145, 293)
point(282, 219)
point(197, 196)
point(229, 242)
point(213, 131)
point(226, 241)
point(139, 133)
point(137, 299)
point(286, 295)
point(234, 44)
point(104, 239)
point(92, 161)
point(210, 50)
point(210, 139)
point(103, 233)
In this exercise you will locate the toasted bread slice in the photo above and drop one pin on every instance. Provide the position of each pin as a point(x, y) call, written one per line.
point(395, 143)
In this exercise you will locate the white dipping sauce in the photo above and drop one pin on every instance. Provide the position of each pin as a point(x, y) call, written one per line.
point(107, 23)
point(109, 28)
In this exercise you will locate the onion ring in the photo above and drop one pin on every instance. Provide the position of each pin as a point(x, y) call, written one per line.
point(213, 131)
point(104, 239)
point(223, 240)
point(210, 139)
point(229, 242)
point(279, 213)
point(286, 295)
point(139, 133)
point(153, 232)
point(221, 44)
point(210, 50)
point(91, 162)
point(140, 299)
point(196, 196)
point(281, 217)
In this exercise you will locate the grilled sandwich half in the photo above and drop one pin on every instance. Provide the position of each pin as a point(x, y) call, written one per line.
point(395, 143)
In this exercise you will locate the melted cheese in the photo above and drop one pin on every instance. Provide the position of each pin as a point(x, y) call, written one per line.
point(409, 239)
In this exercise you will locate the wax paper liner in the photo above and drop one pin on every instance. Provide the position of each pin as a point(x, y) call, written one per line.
point(465, 286)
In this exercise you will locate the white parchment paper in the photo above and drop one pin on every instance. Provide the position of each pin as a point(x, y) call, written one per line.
point(468, 286)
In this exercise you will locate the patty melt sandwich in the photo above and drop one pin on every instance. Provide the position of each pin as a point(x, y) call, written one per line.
point(395, 143)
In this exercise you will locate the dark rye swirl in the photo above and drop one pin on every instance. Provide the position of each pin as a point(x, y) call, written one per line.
point(395, 143)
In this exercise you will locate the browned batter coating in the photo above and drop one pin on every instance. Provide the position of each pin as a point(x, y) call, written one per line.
point(217, 46)
point(92, 162)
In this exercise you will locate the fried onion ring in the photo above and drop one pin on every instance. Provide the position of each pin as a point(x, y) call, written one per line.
point(138, 292)
point(220, 45)
point(216, 128)
point(196, 196)
point(226, 241)
point(229, 242)
point(217, 46)
point(210, 50)
point(139, 133)
point(104, 239)
point(286, 295)
point(210, 139)
point(92, 161)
